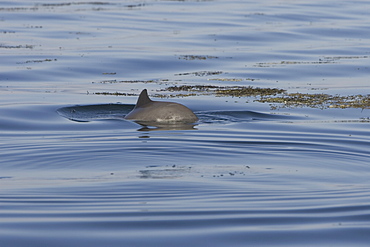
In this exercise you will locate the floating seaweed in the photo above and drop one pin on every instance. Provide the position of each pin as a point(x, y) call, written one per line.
point(115, 93)
point(38, 61)
point(201, 73)
point(196, 57)
point(322, 101)
point(131, 81)
point(276, 97)
point(235, 91)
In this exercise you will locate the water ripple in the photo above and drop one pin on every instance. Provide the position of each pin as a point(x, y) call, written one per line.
point(243, 176)
point(195, 211)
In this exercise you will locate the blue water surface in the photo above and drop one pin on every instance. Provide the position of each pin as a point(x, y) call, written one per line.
point(74, 172)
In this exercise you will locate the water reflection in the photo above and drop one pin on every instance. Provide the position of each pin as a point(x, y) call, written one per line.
point(157, 127)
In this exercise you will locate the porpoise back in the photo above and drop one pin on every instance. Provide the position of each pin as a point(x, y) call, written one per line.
point(149, 111)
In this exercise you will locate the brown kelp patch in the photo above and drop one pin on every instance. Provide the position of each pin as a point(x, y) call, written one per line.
point(322, 101)
point(234, 91)
point(276, 97)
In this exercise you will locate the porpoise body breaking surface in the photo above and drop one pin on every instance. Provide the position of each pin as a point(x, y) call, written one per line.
point(149, 111)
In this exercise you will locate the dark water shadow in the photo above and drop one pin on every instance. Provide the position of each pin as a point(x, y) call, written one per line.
point(87, 113)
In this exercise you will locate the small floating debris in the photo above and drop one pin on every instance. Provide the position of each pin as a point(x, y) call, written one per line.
point(160, 81)
point(115, 93)
point(17, 46)
point(324, 60)
point(38, 61)
point(231, 79)
point(201, 73)
point(196, 57)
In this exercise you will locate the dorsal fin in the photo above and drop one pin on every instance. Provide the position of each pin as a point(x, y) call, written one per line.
point(143, 98)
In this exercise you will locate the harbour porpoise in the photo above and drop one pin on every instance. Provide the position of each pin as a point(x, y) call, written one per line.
point(147, 112)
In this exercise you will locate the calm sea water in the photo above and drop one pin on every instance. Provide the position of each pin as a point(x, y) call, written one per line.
point(73, 172)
